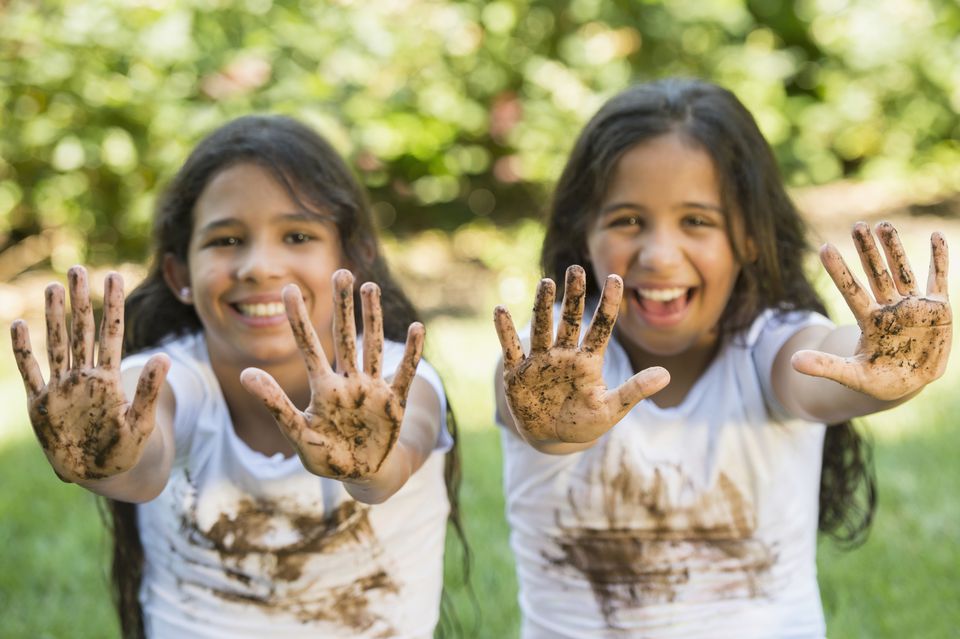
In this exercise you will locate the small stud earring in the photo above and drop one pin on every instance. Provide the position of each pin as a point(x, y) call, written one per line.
point(185, 294)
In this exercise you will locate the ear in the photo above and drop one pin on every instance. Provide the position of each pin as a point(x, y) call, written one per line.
point(177, 276)
point(750, 252)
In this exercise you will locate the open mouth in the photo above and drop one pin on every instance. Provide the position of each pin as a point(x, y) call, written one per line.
point(663, 303)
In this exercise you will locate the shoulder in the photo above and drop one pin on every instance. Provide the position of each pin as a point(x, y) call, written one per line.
point(190, 377)
point(427, 379)
point(188, 350)
point(393, 355)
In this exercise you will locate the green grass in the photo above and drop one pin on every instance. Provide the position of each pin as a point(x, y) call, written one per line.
point(904, 582)
point(53, 581)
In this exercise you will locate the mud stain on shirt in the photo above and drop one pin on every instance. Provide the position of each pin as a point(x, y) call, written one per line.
point(264, 547)
point(651, 552)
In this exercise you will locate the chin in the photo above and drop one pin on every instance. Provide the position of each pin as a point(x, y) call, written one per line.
point(266, 357)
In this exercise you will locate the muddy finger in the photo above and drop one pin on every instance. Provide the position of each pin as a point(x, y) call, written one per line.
point(939, 263)
point(877, 275)
point(541, 328)
point(26, 362)
point(509, 340)
point(81, 334)
point(639, 387)
point(344, 324)
point(575, 287)
point(408, 365)
point(372, 329)
point(903, 276)
point(303, 333)
point(111, 325)
point(826, 365)
point(57, 341)
point(141, 416)
point(850, 288)
point(604, 318)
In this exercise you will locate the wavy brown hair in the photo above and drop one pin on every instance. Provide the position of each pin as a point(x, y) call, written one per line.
point(317, 178)
point(713, 119)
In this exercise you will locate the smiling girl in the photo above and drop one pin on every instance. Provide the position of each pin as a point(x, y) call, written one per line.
point(269, 472)
point(666, 477)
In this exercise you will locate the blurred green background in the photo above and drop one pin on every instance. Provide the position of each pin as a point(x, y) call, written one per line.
point(457, 116)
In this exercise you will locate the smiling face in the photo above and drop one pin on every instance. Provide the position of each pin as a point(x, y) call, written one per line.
point(662, 227)
point(250, 238)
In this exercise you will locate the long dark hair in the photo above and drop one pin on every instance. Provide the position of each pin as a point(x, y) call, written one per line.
point(316, 177)
point(713, 119)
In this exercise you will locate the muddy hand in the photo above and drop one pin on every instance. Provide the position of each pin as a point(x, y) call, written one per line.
point(557, 392)
point(354, 417)
point(81, 416)
point(905, 335)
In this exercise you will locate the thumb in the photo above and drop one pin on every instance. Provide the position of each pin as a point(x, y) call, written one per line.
point(141, 415)
point(819, 364)
point(264, 387)
point(640, 386)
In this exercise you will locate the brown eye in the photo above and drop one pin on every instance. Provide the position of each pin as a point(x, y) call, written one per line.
point(626, 221)
point(697, 221)
point(222, 242)
point(297, 238)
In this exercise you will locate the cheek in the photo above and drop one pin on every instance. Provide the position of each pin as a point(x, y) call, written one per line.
point(322, 315)
point(207, 274)
point(607, 257)
point(720, 261)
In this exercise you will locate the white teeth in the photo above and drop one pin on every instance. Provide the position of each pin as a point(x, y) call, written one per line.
point(661, 294)
point(261, 310)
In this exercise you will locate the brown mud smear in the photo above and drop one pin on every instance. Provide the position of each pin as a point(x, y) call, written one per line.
point(650, 553)
point(247, 534)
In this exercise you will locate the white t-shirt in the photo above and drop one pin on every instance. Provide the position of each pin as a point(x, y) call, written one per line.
point(698, 520)
point(244, 545)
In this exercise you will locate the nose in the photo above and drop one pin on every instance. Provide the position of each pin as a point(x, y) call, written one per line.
point(659, 250)
point(258, 262)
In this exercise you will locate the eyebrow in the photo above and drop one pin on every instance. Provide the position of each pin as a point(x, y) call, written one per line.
point(297, 216)
point(616, 206)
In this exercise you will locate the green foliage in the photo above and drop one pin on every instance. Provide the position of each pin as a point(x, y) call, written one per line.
point(449, 110)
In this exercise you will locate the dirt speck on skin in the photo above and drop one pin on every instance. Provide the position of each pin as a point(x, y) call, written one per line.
point(905, 276)
point(601, 328)
point(629, 565)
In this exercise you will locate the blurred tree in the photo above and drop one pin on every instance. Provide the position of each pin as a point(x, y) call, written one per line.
point(450, 111)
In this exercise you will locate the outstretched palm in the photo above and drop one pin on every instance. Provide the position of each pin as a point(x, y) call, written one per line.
point(905, 336)
point(556, 393)
point(354, 417)
point(81, 417)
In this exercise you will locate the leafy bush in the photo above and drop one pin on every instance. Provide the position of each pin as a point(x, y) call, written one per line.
point(450, 111)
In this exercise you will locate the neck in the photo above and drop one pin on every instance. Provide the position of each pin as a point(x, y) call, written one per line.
point(685, 368)
point(252, 422)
